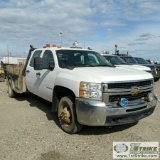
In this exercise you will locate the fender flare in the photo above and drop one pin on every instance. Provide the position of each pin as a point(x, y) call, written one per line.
point(7, 82)
point(58, 93)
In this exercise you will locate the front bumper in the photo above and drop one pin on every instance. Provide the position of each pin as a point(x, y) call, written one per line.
point(97, 113)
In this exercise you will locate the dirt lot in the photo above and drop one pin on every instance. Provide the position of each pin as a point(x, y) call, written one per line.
point(30, 131)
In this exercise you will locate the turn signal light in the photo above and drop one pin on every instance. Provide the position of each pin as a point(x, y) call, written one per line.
point(54, 45)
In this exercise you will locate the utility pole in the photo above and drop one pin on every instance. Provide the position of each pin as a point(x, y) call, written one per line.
point(61, 37)
point(8, 53)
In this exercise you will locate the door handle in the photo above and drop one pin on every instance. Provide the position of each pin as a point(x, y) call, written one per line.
point(27, 71)
point(38, 74)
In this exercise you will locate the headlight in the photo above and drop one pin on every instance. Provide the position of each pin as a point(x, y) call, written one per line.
point(154, 71)
point(90, 90)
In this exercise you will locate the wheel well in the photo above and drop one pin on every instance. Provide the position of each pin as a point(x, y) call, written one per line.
point(7, 80)
point(58, 93)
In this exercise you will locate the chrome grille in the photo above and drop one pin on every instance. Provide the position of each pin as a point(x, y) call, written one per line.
point(129, 85)
point(130, 97)
point(113, 92)
point(158, 67)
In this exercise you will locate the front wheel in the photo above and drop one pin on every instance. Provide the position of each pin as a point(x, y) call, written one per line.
point(67, 115)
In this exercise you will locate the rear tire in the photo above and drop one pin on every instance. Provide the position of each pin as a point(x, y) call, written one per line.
point(67, 115)
point(11, 92)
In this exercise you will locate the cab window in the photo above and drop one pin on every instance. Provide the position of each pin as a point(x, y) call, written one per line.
point(35, 54)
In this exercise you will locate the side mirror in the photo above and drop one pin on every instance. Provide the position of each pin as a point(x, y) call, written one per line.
point(51, 65)
point(38, 63)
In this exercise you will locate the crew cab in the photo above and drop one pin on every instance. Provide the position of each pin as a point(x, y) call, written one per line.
point(83, 88)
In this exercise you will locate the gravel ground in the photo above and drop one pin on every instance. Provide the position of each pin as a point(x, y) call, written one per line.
point(30, 131)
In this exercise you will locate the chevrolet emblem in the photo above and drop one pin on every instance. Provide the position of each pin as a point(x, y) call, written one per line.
point(135, 91)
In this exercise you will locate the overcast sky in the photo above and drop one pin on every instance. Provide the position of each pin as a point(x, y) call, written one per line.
point(100, 24)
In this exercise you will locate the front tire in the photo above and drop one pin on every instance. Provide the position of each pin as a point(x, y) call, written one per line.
point(67, 115)
point(11, 92)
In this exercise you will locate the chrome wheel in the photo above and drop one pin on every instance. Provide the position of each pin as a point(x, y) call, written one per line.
point(65, 115)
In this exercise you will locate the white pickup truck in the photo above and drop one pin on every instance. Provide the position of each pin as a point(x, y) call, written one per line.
point(83, 88)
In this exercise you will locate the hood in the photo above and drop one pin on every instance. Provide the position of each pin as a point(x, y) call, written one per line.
point(105, 74)
point(149, 65)
point(139, 67)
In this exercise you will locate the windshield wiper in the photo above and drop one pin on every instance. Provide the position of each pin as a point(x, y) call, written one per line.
point(84, 65)
point(93, 65)
point(68, 67)
point(104, 65)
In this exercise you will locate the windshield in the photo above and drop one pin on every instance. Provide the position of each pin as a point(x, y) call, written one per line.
point(115, 60)
point(80, 58)
point(141, 61)
point(129, 60)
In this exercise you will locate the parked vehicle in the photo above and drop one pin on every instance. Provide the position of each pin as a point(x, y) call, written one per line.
point(132, 61)
point(2, 76)
point(119, 62)
point(83, 88)
point(158, 70)
point(155, 72)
